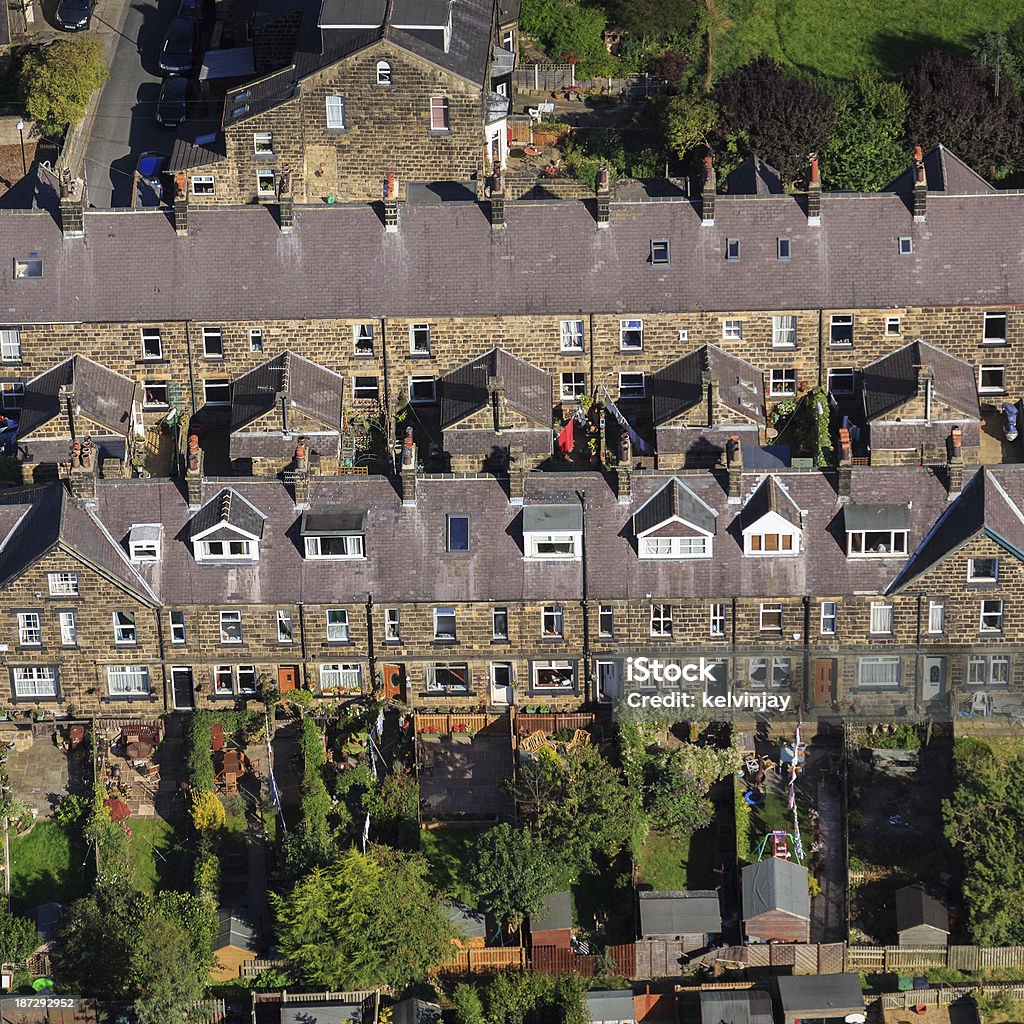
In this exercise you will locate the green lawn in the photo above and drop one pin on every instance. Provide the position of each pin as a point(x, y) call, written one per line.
point(773, 816)
point(668, 863)
point(448, 851)
point(47, 866)
point(839, 37)
point(160, 858)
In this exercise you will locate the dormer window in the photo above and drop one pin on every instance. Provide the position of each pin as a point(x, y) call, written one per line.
point(144, 542)
point(553, 532)
point(334, 533)
point(876, 531)
point(674, 523)
point(227, 528)
point(771, 522)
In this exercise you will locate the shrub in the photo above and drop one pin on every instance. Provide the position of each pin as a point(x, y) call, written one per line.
point(206, 874)
point(58, 80)
point(72, 811)
point(467, 1005)
point(208, 814)
point(199, 756)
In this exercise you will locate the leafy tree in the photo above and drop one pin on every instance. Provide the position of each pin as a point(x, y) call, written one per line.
point(647, 19)
point(163, 973)
point(18, 941)
point(672, 66)
point(1002, 57)
point(208, 814)
point(362, 921)
point(513, 997)
point(469, 1009)
point(567, 30)
point(953, 101)
point(393, 805)
point(778, 115)
point(513, 873)
point(690, 119)
point(866, 149)
point(58, 80)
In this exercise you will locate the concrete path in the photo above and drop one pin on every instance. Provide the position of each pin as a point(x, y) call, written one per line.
point(828, 922)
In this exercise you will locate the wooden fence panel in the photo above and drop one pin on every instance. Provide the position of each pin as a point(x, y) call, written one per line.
point(555, 960)
point(782, 955)
point(549, 724)
point(485, 961)
point(624, 958)
point(830, 958)
point(805, 959)
point(900, 957)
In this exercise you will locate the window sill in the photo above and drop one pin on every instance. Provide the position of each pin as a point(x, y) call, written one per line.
point(363, 355)
point(1001, 393)
point(421, 355)
point(990, 634)
point(264, 156)
point(993, 343)
point(501, 641)
point(155, 408)
point(207, 358)
point(338, 643)
point(572, 351)
point(128, 698)
point(51, 699)
point(564, 692)
point(337, 131)
point(840, 344)
point(633, 351)
point(445, 641)
point(439, 133)
point(441, 694)
point(552, 639)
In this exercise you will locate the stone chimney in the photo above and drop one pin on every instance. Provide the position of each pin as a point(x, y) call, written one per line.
point(707, 195)
point(391, 204)
point(814, 194)
point(301, 473)
point(955, 464)
point(194, 473)
point(925, 386)
point(714, 392)
point(498, 200)
point(72, 208)
point(496, 396)
point(845, 464)
point(285, 202)
point(516, 474)
point(920, 187)
point(624, 470)
point(734, 467)
point(604, 197)
point(408, 468)
point(179, 210)
point(84, 470)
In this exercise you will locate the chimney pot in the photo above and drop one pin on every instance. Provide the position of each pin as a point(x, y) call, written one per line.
point(707, 195)
point(814, 194)
point(920, 199)
point(604, 197)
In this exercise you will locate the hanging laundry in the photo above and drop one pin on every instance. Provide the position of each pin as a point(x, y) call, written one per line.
point(637, 441)
point(566, 439)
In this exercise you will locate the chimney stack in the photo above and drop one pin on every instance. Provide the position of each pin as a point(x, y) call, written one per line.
point(624, 470)
point(734, 466)
point(179, 210)
point(955, 464)
point(920, 187)
point(72, 208)
point(516, 474)
point(496, 395)
point(194, 473)
point(391, 204)
point(845, 463)
point(301, 473)
point(925, 384)
point(285, 202)
point(84, 470)
point(714, 398)
point(604, 197)
point(814, 194)
point(498, 200)
point(408, 468)
point(707, 195)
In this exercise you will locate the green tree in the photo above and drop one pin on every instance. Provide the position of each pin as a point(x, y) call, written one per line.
point(164, 972)
point(513, 873)
point(58, 80)
point(690, 118)
point(567, 30)
point(361, 921)
point(469, 1009)
point(18, 941)
point(865, 149)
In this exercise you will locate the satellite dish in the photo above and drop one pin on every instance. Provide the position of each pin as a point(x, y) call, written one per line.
point(855, 1018)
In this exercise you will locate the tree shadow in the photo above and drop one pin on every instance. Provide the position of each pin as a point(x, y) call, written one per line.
point(897, 52)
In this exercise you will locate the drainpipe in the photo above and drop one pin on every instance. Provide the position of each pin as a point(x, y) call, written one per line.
point(191, 367)
point(163, 658)
point(302, 639)
point(370, 655)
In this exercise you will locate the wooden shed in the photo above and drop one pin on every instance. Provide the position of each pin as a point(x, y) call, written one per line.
point(821, 999)
point(776, 901)
point(236, 942)
point(469, 924)
point(688, 917)
point(552, 925)
point(921, 920)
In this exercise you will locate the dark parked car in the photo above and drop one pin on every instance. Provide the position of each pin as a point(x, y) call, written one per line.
point(75, 15)
point(150, 179)
point(180, 49)
point(177, 102)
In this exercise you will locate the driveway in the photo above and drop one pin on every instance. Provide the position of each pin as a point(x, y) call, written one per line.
point(124, 126)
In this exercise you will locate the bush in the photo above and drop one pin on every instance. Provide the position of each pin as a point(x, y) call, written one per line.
point(469, 1009)
point(72, 811)
point(206, 874)
point(199, 756)
point(270, 980)
point(58, 80)
point(208, 814)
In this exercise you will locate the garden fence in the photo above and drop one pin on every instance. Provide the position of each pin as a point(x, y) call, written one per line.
point(945, 996)
point(485, 961)
point(555, 78)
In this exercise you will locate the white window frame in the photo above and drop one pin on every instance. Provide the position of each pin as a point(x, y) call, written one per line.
point(990, 616)
point(632, 385)
point(219, 384)
point(353, 544)
point(782, 382)
point(784, 331)
point(675, 547)
point(552, 621)
point(440, 114)
point(362, 339)
point(422, 380)
point(384, 72)
point(829, 618)
point(991, 389)
point(571, 334)
point(334, 109)
point(363, 392)
point(126, 630)
point(345, 676)
point(62, 584)
point(144, 550)
point(989, 664)
point(255, 339)
point(12, 395)
point(441, 617)
point(285, 628)
point(772, 615)
point(905, 246)
point(497, 614)
point(450, 520)
point(717, 619)
point(337, 626)
point(227, 550)
point(152, 343)
point(631, 335)
point(213, 337)
point(203, 185)
point(783, 248)
point(606, 620)
point(572, 386)
point(30, 629)
point(263, 143)
point(993, 317)
point(778, 672)
point(552, 666)
point(976, 576)
point(128, 681)
point(155, 394)
point(176, 624)
point(882, 618)
point(392, 625)
point(229, 619)
point(34, 682)
point(857, 543)
point(847, 373)
point(223, 681)
point(453, 667)
point(879, 672)
point(263, 189)
point(246, 678)
point(10, 345)
point(841, 320)
point(732, 330)
point(419, 339)
point(936, 617)
point(661, 621)
point(732, 249)
point(68, 629)
point(893, 326)
point(556, 542)
point(757, 544)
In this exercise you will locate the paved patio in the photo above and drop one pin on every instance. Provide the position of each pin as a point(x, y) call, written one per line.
point(41, 772)
point(462, 775)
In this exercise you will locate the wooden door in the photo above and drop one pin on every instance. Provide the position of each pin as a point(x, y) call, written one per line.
point(182, 690)
point(394, 682)
point(824, 681)
point(287, 678)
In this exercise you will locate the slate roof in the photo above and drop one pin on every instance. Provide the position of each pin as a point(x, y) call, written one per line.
point(310, 387)
point(445, 260)
point(912, 436)
point(328, 1011)
point(754, 177)
point(770, 496)
point(914, 907)
point(476, 442)
point(197, 144)
point(876, 517)
point(675, 499)
point(100, 394)
point(775, 884)
point(752, 1006)
point(680, 913)
point(227, 507)
point(821, 995)
point(892, 379)
point(945, 172)
point(610, 1005)
point(234, 930)
point(415, 1011)
point(554, 915)
point(545, 517)
point(469, 922)
point(527, 388)
point(680, 386)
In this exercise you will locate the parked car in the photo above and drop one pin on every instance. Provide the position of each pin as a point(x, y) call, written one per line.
point(75, 15)
point(181, 48)
point(177, 101)
point(149, 174)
